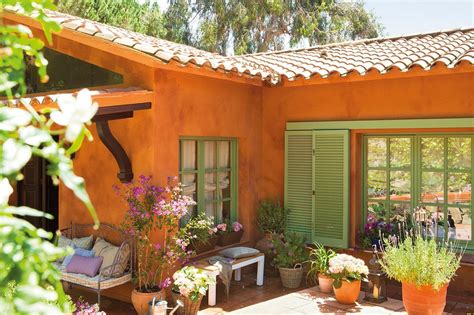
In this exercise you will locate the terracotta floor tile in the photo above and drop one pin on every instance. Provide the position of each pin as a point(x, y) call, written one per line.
point(318, 309)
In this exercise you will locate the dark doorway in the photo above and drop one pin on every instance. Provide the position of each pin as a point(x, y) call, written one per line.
point(37, 191)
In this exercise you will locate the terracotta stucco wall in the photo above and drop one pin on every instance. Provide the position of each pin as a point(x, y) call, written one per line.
point(444, 96)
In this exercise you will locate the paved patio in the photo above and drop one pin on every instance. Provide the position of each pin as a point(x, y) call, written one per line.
point(247, 298)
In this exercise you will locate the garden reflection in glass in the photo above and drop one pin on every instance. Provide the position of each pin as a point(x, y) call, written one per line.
point(376, 287)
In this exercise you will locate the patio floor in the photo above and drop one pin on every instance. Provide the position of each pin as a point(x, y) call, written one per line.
point(247, 298)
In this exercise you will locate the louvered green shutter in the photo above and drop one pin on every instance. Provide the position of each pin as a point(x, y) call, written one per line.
point(299, 181)
point(331, 187)
point(317, 185)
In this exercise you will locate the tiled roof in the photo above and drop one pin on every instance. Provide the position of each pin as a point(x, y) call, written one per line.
point(447, 48)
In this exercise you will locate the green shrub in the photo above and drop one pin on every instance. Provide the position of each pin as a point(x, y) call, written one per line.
point(422, 262)
point(271, 217)
point(290, 250)
point(319, 261)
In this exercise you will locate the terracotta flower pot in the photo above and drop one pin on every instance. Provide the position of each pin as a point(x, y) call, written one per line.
point(200, 247)
point(423, 300)
point(230, 238)
point(325, 283)
point(348, 292)
point(190, 307)
point(140, 300)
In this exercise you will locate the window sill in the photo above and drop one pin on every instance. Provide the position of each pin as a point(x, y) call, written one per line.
point(217, 249)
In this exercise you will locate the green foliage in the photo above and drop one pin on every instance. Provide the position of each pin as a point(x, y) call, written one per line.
point(29, 282)
point(235, 26)
point(143, 17)
point(198, 230)
point(271, 217)
point(319, 261)
point(290, 250)
point(422, 262)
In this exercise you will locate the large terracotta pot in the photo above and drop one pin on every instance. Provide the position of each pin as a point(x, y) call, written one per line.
point(423, 300)
point(348, 292)
point(190, 307)
point(140, 300)
point(230, 238)
point(325, 283)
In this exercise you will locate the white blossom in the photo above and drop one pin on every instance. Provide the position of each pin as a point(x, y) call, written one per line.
point(5, 191)
point(74, 113)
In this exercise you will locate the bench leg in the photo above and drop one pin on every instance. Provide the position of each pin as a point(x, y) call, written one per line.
point(238, 274)
point(211, 299)
point(260, 270)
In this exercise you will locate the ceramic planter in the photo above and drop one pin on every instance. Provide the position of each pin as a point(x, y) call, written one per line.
point(325, 283)
point(200, 247)
point(423, 300)
point(348, 292)
point(140, 300)
point(190, 307)
point(230, 238)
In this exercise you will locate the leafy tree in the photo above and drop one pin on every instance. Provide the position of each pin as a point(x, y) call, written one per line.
point(239, 26)
point(29, 282)
point(143, 17)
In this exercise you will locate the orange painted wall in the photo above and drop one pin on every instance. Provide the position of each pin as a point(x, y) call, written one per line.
point(444, 96)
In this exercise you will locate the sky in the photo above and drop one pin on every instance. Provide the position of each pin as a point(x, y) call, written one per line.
point(401, 17)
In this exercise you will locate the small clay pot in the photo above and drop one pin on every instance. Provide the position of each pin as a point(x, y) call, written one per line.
point(325, 283)
point(140, 300)
point(348, 292)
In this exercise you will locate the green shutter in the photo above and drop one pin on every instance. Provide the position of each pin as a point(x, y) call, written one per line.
point(331, 187)
point(298, 181)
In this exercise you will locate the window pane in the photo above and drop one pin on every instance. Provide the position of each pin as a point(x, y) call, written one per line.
point(188, 155)
point(459, 222)
point(224, 154)
point(210, 186)
point(432, 152)
point(400, 212)
point(377, 152)
point(431, 218)
point(209, 154)
point(378, 210)
point(400, 152)
point(432, 187)
point(459, 153)
point(459, 188)
point(211, 209)
point(224, 185)
point(226, 210)
point(377, 184)
point(400, 183)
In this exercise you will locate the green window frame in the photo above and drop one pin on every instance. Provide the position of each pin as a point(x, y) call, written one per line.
point(212, 173)
point(422, 176)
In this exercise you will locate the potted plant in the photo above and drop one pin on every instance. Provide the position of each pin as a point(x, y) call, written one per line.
point(291, 254)
point(319, 258)
point(153, 208)
point(271, 220)
point(229, 233)
point(190, 285)
point(199, 233)
point(425, 268)
point(347, 273)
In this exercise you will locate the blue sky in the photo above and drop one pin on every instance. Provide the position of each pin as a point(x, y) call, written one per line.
point(416, 16)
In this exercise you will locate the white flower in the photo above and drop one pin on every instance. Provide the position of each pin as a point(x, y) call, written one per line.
point(74, 112)
point(5, 191)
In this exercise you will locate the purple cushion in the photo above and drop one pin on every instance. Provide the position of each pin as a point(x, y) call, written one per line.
point(88, 266)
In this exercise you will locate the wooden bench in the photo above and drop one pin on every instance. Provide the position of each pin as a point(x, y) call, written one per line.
point(237, 265)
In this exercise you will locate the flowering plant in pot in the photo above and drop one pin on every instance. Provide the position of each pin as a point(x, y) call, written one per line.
point(290, 255)
point(319, 258)
point(347, 273)
point(424, 267)
point(199, 234)
point(229, 233)
point(152, 208)
point(190, 285)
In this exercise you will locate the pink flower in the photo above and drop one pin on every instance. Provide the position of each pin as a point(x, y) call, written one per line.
point(222, 227)
point(157, 246)
point(237, 226)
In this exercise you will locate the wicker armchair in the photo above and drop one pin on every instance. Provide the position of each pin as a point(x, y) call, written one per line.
point(109, 277)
